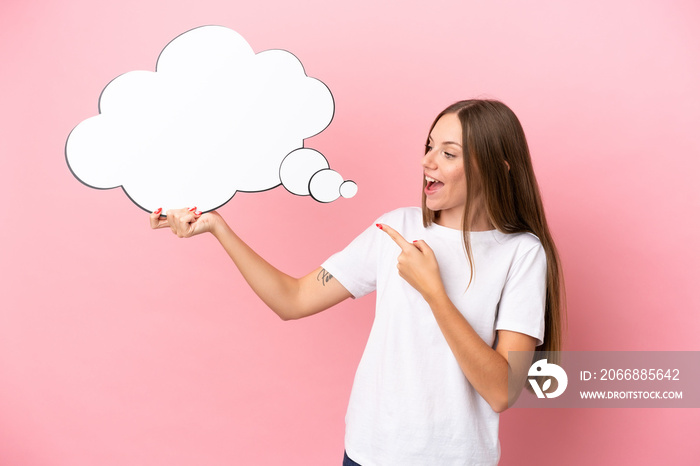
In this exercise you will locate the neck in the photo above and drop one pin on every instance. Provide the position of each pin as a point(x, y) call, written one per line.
point(452, 218)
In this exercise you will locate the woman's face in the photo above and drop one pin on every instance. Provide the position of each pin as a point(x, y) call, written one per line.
point(443, 167)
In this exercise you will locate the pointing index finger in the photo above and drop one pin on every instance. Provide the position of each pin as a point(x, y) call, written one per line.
point(395, 235)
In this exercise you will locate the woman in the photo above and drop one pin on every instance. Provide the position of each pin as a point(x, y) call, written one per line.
point(478, 276)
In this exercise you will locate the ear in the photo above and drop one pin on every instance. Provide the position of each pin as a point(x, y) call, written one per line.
point(507, 164)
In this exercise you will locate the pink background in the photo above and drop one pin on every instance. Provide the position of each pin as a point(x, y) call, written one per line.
point(120, 345)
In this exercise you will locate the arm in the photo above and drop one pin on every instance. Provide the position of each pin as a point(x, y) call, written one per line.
point(487, 369)
point(288, 297)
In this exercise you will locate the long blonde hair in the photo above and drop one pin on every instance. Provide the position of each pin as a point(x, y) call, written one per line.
point(494, 140)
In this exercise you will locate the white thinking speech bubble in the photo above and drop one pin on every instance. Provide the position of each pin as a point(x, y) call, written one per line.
point(213, 119)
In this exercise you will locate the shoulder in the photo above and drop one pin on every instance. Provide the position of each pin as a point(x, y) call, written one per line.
point(523, 240)
point(526, 241)
point(520, 245)
point(403, 215)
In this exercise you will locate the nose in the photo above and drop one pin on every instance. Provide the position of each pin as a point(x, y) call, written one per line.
point(429, 160)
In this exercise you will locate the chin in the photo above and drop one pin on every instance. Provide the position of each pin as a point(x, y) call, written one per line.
point(434, 206)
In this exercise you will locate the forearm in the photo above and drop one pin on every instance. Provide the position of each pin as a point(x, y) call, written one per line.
point(279, 291)
point(484, 367)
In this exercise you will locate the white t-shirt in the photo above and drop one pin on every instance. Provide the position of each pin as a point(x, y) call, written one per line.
point(411, 403)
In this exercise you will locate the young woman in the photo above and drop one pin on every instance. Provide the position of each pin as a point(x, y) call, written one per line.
point(460, 282)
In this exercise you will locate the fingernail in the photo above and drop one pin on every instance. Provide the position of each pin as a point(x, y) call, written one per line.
point(193, 209)
point(198, 212)
point(379, 226)
point(158, 211)
point(415, 241)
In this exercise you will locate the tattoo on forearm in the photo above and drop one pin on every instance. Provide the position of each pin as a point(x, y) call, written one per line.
point(324, 277)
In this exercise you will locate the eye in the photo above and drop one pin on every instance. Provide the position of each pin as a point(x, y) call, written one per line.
point(448, 155)
point(428, 148)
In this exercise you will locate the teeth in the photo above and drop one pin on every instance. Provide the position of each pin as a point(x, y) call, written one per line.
point(429, 179)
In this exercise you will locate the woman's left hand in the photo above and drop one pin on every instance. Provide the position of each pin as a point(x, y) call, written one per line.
point(417, 264)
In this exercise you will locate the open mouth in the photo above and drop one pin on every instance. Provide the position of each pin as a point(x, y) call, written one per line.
point(432, 185)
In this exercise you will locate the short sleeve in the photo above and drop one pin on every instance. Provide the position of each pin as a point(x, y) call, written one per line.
point(522, 304)
point(355, 267)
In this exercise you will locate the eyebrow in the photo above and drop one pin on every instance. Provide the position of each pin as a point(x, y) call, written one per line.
point(430, 138)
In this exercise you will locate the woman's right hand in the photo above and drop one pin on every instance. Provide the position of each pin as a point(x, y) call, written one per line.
point(186, 222)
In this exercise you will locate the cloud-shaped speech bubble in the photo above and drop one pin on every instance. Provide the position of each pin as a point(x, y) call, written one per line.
point(213, 119)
